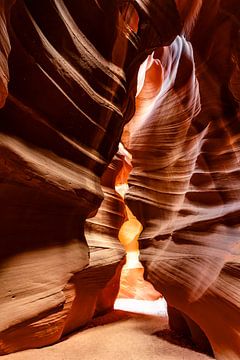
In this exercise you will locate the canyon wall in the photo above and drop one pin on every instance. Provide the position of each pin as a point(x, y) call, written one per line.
point(72, 69)
point(185, 184)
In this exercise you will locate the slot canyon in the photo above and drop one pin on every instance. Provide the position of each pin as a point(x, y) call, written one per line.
point(120, 179)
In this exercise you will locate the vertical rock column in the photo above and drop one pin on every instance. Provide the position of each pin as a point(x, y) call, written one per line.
point(132, 284)
point(107, 254)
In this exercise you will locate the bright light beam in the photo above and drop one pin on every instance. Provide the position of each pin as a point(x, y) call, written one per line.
point(148, 307)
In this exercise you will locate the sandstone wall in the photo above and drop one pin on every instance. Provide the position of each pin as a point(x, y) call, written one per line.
point(184, 186)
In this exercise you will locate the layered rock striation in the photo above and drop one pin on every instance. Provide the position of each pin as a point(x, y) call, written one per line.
point(184, 186)
point(72, 68)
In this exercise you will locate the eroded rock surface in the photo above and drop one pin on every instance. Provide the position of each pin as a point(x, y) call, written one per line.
point(73, 68)
point(184, 186)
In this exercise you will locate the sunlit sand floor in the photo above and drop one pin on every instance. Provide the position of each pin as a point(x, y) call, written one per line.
point(120, 335)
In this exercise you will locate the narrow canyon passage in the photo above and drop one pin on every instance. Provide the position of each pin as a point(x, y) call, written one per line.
point(120, 179)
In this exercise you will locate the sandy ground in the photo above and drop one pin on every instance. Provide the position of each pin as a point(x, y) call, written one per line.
point(118, 336)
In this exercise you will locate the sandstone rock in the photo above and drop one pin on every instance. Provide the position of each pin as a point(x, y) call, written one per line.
point(73, 71)
point(184, 186)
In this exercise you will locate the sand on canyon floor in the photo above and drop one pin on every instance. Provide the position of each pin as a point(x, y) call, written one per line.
point(119, 335)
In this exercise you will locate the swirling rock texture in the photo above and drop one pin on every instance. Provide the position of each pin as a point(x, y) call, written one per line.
point(185, 182)
point(73, 68)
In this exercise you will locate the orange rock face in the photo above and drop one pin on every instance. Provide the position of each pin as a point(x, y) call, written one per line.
point(184, 186)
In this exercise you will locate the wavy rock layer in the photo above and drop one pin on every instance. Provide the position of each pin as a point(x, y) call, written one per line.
point(185, 182)
point(73, 68)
